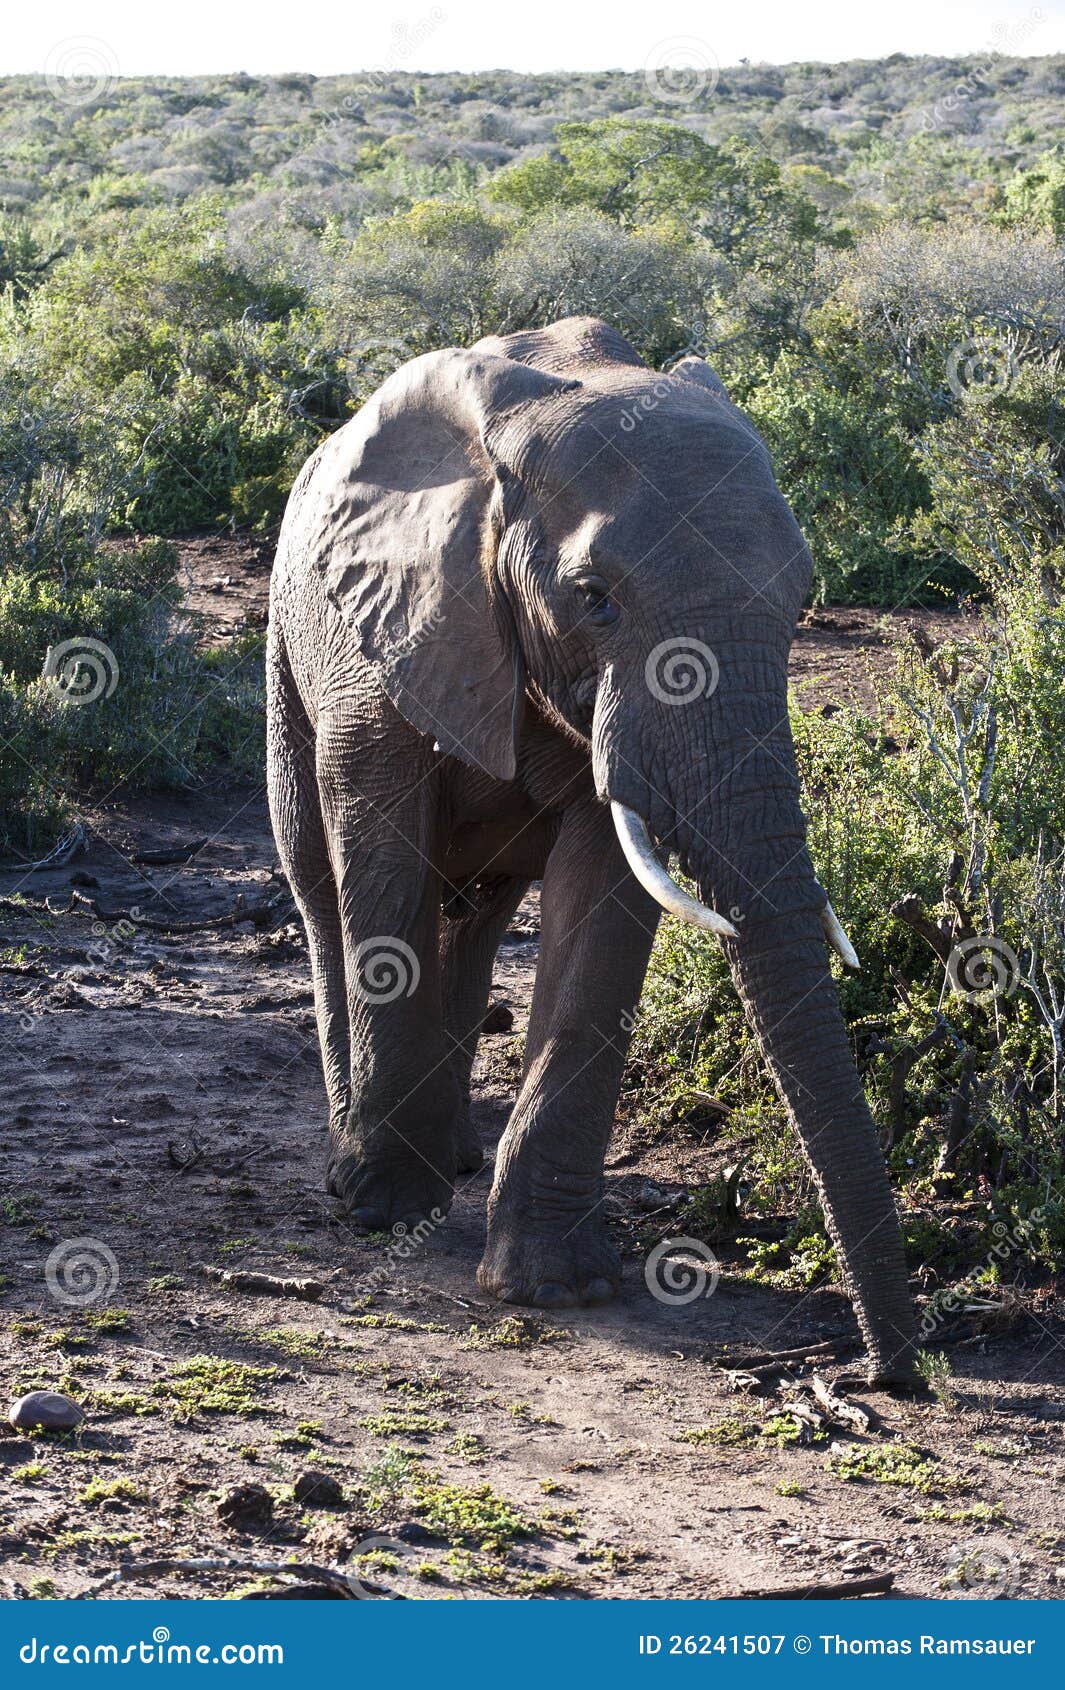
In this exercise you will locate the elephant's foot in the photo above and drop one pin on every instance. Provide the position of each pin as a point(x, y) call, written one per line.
point(469, 1156)
point(390, 1184)
point(559, 1266)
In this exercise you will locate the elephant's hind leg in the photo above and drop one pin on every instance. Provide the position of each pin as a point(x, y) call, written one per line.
point(300, 835)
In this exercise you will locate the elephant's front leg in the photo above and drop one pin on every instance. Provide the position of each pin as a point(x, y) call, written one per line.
point(547, 1241)
point(393, 1159)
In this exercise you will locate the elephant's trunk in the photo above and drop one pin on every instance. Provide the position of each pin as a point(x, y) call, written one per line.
point(792, 1004)
point(732, 810)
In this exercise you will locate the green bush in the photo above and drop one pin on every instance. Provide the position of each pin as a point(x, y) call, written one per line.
point(102, 680)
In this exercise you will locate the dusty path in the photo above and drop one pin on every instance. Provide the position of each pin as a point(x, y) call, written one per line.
point(163, 1100)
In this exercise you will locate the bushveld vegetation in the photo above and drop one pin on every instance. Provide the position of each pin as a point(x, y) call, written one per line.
point(201, 278)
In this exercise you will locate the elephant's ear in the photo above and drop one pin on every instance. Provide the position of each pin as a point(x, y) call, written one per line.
point(405, 530)
point(698, 370)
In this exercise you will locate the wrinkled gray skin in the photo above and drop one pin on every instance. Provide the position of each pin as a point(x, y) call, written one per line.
point(452, 707)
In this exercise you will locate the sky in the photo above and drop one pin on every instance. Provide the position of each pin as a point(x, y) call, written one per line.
point(189, 37)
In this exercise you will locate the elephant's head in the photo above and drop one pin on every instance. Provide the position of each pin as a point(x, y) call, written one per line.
point(545, 514)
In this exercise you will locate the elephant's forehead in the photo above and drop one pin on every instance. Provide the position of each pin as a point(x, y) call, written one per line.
point(629, 445)
point(682, 481)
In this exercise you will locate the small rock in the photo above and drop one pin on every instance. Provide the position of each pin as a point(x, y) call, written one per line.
point(314, 1489)
point(46, 1409)
point(498, 1019)
point(247, 1508)
point(411, 1532)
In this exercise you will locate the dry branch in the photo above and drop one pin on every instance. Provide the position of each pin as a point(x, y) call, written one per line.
point(877, 1584)
point(262, 1284)
point(163, 859)
point(911, 910)
point(343, 1583)
point(837, 1407)
point(771, 1359)
point(266, 914)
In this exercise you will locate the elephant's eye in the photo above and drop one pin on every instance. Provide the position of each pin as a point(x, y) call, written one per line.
point(596, 604)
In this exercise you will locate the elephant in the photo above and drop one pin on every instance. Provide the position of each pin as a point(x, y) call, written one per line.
point(530, 619)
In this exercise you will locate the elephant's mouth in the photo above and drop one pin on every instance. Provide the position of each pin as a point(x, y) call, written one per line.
point(643, 860)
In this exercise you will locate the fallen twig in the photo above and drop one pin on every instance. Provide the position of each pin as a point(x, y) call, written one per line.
point(837, 1407)
point(269, 913)
point(163, 859)
point(343, 1583)
point(806, 1417)
point(771, 1359)
point(262, 1284)
point(748, 1379)
point(67, 847)
point(877, 1584)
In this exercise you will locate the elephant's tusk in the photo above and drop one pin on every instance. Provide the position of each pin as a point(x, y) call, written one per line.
point(640, 856)
point(837, 938)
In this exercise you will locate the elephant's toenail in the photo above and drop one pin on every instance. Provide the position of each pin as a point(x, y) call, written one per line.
point(551, 1295)
point(599, 1291)
point(369, 1219)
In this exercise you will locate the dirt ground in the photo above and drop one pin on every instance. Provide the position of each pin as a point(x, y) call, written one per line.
point(165, 1113)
